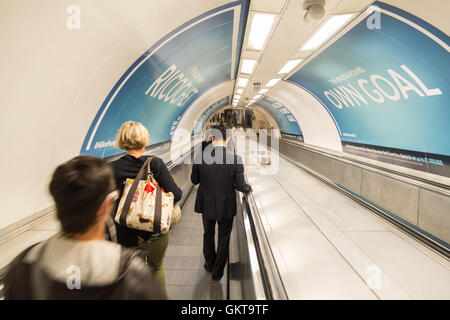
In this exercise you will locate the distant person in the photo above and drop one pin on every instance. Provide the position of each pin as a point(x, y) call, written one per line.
point(79, 263)
point(234, 118)
point(216, 197)
point(133, 137)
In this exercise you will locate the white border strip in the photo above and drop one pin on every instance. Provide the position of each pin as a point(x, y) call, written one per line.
point(412, 24)
point(236, 25)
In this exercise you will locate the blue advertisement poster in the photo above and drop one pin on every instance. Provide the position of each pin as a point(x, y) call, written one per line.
point(284, 118)
point(208, 112)
point(387, 86)
point(159, 87)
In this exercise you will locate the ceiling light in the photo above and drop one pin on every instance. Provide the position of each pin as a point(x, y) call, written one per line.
point(263, 91)
point(237, 96)
point(272, 82)
point(259, 30)
point(326, 31)
point(240, 91)
point(242, 82)
point(257, 97)
point(247, 65)
point(289, 66)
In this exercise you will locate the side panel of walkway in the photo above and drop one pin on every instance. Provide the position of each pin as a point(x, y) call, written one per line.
point(329, 247)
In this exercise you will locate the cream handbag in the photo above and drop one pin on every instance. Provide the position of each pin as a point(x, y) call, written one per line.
point(144, 206)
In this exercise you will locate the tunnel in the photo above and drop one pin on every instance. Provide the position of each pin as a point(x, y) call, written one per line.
point(342, 106)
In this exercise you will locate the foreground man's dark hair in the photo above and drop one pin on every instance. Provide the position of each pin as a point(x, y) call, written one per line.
point(79, 186)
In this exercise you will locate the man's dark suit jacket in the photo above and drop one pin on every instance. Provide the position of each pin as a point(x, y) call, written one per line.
point(216, 195)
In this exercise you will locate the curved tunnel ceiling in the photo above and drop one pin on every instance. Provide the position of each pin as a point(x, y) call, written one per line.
point(356, 94)
point(71, 73)
point(225, 103)
point(162, 84)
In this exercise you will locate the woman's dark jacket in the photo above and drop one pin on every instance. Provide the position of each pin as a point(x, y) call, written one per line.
point(128, 167)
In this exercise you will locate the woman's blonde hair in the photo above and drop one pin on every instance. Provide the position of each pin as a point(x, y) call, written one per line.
point(132, 136)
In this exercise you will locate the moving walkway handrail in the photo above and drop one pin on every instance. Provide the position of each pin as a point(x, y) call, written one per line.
point(269, 279)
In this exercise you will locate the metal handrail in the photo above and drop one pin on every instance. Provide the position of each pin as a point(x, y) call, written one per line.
point(422, 182)
point(271, 277)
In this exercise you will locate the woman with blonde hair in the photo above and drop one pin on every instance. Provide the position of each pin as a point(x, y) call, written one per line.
point(133, 137)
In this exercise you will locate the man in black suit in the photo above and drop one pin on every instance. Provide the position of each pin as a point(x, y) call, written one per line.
point(220, 173)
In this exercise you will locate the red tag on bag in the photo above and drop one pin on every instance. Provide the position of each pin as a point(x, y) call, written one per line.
point(148, 187)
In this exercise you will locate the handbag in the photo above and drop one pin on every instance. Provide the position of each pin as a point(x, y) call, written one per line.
point(176, 214)
point(144, 205)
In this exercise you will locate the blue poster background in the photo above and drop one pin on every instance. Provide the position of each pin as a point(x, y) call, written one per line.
point(284, 118)
point(202, 53)
point(417, 123)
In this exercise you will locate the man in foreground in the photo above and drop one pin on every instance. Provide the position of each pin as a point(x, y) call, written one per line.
point(79, 263)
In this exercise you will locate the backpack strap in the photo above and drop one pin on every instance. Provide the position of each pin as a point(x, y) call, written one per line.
point(126, 206)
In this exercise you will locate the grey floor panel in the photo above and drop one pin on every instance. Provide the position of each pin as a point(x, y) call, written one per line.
point(187, 239)
point(183, 250)
point(186, 262)
point(185, 276)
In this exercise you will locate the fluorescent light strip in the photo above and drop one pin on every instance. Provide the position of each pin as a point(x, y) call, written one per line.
point(326, 31)
point(242, 82)
point(263, 91)
point(259, 30)
point(257, 97)
point(289, 66)
point(240, 91)
point(247, 66)
point(272, 82)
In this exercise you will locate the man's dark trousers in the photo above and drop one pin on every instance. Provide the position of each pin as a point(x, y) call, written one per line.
point(216, 201)
point(217, 259)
